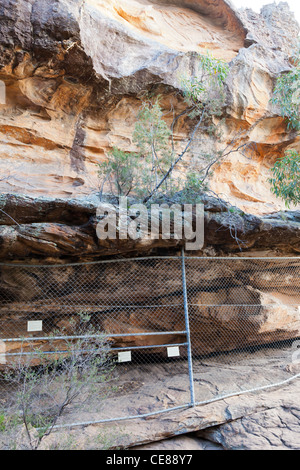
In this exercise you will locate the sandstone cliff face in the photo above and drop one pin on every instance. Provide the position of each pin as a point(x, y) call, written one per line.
point(72, 77)
point(74, 73)
point(74, 70)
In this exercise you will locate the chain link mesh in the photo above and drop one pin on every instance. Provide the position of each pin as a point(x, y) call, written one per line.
point(245, 318)
point(236, 331)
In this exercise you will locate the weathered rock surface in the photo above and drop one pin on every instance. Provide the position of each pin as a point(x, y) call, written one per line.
point(70, 98)
point(233, 304)
point(74, 71)
point(273, 429)
point(32, 227)
point(180, 443)
point(266, 419)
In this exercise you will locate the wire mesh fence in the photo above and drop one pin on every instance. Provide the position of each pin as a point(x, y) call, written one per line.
point(245, 318)
point(181, 331)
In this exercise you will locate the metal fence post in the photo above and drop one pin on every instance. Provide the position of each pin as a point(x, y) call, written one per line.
point(187, 327)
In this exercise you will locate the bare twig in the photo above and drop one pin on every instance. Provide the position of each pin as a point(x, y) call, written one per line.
point(181, 155)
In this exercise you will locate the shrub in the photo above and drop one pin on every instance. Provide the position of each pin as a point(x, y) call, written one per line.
point(285, 182)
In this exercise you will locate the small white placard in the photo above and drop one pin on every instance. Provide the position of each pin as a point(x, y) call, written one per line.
point(35, 325)
point(124, 356)
point(173, 351)
point(2, 352)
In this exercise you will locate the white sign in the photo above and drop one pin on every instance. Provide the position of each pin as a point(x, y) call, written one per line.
point(124, 356)
point(173, 351)
point(2, 352)
point(36, 325)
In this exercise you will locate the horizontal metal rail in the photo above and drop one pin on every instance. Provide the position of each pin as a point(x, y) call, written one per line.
point(105, 335)
point(129, 348)
point(110, 350)
point(93, 306)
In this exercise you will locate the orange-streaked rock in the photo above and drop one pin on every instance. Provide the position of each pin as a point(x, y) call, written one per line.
point(74, 77)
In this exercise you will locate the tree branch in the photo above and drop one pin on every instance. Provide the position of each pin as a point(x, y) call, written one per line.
point(181, 155)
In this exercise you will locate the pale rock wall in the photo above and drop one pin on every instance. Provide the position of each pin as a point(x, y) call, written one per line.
point(74, 72)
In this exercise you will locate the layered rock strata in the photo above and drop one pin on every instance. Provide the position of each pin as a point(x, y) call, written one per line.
point(74, 74)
